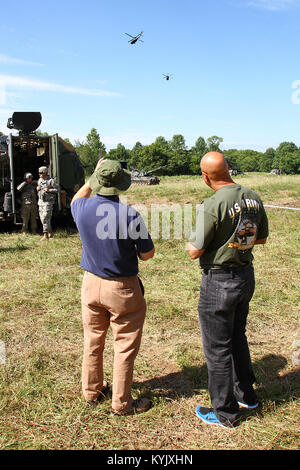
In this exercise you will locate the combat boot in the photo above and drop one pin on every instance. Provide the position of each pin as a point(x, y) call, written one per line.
point(45, 237)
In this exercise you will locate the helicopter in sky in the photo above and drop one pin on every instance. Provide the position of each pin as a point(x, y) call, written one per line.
point(136, 38)
point(167, 76)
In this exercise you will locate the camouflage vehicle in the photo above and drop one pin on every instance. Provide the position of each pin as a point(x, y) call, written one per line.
point(145, 177)
point(27, 152)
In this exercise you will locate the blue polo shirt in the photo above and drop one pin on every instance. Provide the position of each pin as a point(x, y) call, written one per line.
point(111, 234)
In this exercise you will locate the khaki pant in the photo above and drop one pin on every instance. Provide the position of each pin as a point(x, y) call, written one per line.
point(119, 303)
point(29, 213)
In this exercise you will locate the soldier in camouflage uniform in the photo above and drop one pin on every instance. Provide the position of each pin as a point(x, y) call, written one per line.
point(47, 189)
point(29, 203)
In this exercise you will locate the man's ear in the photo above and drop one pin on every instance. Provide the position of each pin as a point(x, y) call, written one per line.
point(206, 178)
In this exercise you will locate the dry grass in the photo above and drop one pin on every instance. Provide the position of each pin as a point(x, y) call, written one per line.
point(40, 396)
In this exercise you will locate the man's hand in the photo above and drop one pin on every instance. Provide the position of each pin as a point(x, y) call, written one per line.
point(194, 252)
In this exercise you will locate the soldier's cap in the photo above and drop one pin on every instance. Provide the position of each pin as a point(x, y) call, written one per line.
point(43, 169)
point(28, 175)
point(110, 179)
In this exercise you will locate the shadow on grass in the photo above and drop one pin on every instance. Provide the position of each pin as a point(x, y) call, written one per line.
point(275, 386)
point(270, 384)
point(14, 249)
point(177, 384)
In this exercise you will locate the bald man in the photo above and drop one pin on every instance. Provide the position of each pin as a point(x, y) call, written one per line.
point(229, 224)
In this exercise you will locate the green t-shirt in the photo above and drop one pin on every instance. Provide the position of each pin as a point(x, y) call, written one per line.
point(227, 226)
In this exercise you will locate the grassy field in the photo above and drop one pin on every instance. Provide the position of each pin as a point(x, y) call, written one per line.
point(41, 406)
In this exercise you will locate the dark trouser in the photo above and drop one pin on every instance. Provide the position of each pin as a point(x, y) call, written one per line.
point(223, 309)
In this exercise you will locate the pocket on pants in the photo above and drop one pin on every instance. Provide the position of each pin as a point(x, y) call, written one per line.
point(203, 285)
point(123, 296)
point(124, 292)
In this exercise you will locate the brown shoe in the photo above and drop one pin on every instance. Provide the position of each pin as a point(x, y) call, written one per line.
point(105, 392)
point(138, 406)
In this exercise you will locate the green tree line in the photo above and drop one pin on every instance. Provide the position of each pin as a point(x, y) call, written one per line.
point(178, 159)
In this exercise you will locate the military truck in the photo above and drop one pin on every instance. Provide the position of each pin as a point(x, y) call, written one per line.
point(28, 151)
point(145, 177)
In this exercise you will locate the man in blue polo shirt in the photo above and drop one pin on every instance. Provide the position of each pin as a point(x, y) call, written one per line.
point(113, 236)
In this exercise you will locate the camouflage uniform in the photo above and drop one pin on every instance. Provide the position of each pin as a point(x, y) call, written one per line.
point(28, 206)
point(47, 201)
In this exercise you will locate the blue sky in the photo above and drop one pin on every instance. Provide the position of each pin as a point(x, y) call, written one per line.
point(234, 63)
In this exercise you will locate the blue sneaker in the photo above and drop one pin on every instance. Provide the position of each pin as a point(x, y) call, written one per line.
point(249, 407)
point(208, 416)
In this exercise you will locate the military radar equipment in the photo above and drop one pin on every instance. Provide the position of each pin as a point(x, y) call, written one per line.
point(25, 122)
point(145, 177)
point(27, 152)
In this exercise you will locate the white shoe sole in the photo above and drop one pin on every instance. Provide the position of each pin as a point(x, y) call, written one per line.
point(248, 407)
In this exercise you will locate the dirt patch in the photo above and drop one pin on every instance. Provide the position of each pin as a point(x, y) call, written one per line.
point(287, 202)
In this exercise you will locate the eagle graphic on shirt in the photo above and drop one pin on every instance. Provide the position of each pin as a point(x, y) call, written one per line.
point(245, 234)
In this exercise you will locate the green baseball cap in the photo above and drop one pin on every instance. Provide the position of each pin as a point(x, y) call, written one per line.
point(110, 179)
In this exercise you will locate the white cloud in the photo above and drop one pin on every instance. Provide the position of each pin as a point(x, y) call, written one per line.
point(4, 59)
point(272, 5)
point(14, 82)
